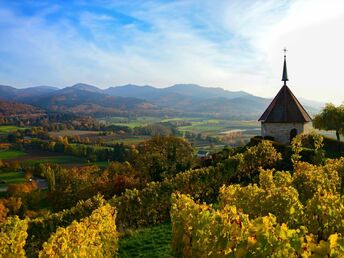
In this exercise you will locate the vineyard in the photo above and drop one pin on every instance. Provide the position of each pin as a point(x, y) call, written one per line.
point(242, 206)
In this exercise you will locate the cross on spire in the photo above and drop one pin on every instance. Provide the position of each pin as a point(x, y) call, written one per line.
point(285, 74)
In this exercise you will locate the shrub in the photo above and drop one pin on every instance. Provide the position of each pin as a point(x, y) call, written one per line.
point(93, 236)
point(247, 164)
point(195, 233)
point(324, 214)
point(12, 237)
point(19, 190)
point(40, 229)
point(198, 230)
point(301, 145)
point(151, 205)
point(282, 200)
point(308, 179)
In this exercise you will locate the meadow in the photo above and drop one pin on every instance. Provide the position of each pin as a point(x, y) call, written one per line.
point(130, 122)
point(56, 134)
point(5, 129)
point(205, 126)
point(11, 154)
point(31, 158)
point(95, 136)
point(11, 177)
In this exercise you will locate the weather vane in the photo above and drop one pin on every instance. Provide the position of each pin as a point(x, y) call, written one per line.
point(285, 51)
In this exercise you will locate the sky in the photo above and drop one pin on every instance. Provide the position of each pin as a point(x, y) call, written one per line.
point(233, 44)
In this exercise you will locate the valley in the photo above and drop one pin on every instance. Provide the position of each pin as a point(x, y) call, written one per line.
point(70, 154)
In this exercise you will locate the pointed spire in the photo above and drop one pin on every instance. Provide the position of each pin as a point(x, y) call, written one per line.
point(285, 74)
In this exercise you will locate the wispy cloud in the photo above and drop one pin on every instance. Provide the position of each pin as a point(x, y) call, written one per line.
point(233, 44)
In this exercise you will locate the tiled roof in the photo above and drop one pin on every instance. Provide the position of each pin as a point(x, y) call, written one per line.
point(285, 108)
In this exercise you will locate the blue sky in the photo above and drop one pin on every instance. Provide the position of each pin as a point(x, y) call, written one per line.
point(234, 44)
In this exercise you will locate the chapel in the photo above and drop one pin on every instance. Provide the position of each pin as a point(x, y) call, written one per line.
point(285, 117)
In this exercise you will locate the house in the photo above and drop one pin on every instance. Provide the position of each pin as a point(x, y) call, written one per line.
point(203, 154)
point(285, 117)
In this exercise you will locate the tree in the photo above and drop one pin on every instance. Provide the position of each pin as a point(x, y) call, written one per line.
point(164, 156)
point(331, 118)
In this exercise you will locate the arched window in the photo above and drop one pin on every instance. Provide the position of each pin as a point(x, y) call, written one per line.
point(293, 133)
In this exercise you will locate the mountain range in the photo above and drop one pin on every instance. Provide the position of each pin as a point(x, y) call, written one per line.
point(179, 99)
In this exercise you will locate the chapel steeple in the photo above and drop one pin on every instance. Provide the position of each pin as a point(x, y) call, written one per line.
point(285, 73)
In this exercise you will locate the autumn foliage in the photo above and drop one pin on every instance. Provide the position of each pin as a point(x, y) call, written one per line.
point(93, 236)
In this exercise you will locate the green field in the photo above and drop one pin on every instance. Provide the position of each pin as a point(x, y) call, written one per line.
point(10, 178)
point(149, 242)
point(130, 122)
point(198, 124)
point(180, 119)
point(31, 159)
point(11, 154)
point(131, 140)
point(215, 126)
point(207, 127)
point(72, 133)
point(63, 160)
point(4, 129)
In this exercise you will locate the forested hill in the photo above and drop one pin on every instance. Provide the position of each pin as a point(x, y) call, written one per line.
point(12, 109)
point(180, 99)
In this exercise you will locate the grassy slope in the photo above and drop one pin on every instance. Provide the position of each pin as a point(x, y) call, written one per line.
point(5, 129)
point(10, 178)
point(9, 154)
point(149, 242)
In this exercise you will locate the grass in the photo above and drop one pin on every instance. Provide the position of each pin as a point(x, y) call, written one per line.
point(11, 178)
point(11, 154)
point(72, 133)
point(131, 122)
point(215, 126)
point(207, 127)
point(63, 159)
point(149, 242)
point(4, 129)
point(130, 140)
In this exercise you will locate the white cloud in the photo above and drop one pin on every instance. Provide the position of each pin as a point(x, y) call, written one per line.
point(233, 44)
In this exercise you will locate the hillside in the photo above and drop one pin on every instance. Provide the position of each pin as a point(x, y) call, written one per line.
point(188, 90)
point(15, 113)
point(13, 109)
point(25, 94)
point(179, 99)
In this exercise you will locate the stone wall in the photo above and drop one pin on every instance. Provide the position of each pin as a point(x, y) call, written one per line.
point(281, 131)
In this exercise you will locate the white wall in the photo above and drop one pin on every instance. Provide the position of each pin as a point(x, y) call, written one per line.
point(281, 131)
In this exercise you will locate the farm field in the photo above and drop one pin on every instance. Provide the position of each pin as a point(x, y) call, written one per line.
point(130, 122)
point(59, 159)
point(11, 154)
point(238, 130)
point(130, 140)
point(32, 157)
point(5, 129)
point(215, 127)
point(243, 130)
point(149, 242)
point(7, 178)
point(56, 134)
point(94, 136)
